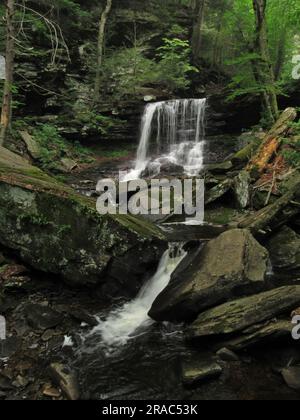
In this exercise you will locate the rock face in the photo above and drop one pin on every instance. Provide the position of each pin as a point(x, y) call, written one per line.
point(58, 231)
point(284, 249)
point(238, 315)
point(234, 264)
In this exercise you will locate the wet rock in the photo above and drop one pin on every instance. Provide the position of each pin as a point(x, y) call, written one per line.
point(51, 392)
point(274, 331)
point(232, 265)
point(83, 316)
point(58, 231)
point(20, 382)
point(219, 168)
point(291, 376)
point(9, 347)
point(218, 191)
point(41, 317)
point(284, 248)
point(227, 355)
point(66, 380)
point(5, 384)
point(49, 334)
point(241, 189)
point(197, 371)
point(236, 316)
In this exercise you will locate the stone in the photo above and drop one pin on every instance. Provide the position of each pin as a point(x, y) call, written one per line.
point(284, 248)
point(20, 382)
point(197, 371)
point(51, 392)
point(241, 189)
point(227, 355)
point(273, 331)
point(58, 231)
point(234, 264)
point(236, 316)
point(32, 145)
point(42, 318)
point(9, 347)
point(291, 376)
point(66, 380)
point(68, 164)
point(218, 191)
point(83, 316)
point(219, 168)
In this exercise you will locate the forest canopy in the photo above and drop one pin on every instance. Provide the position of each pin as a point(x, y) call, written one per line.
point(76, 58)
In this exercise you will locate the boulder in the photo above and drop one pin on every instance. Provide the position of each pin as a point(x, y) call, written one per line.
point(236, 316)
point(234, 264)
point(58, 231)
point(284, 248)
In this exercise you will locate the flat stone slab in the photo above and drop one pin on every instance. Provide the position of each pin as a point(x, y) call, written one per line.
point(197, 371)
point(238, 315)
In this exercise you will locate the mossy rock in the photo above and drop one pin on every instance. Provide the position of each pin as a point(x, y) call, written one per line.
point(58, 231)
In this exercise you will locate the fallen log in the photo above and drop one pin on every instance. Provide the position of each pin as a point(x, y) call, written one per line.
point(275, 215)
point(272, 141)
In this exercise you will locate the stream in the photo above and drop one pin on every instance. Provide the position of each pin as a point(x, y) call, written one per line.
point(127, 356)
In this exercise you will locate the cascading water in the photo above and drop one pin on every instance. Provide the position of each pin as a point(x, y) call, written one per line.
point(180, 136)
point(126, 322)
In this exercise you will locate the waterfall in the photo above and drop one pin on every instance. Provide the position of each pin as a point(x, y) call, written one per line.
point(126, 322)
point(180, 135)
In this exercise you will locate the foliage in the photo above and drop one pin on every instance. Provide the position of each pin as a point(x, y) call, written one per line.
point(53, 147)
point(125, 71)
point(174, 66)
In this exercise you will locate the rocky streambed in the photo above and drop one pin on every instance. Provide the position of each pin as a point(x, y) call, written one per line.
point(224, 327)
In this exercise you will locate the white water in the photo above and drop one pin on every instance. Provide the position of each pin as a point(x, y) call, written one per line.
point(180, 136)
point(126, 322)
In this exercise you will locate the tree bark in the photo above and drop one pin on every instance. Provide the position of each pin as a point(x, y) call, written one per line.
point(197, 30)
point(9, 72)
point(272, 141)
point(100, 47)
point(264, 67)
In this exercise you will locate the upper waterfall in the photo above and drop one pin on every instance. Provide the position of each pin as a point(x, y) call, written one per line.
point(177, 129)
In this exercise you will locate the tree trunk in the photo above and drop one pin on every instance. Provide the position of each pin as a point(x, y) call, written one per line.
point(100, 47)
point(197, 30)
point(9, 72)
point(264, 66)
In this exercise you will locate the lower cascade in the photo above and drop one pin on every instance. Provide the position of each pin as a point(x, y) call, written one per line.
point(128, 321)
point(177, 130)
